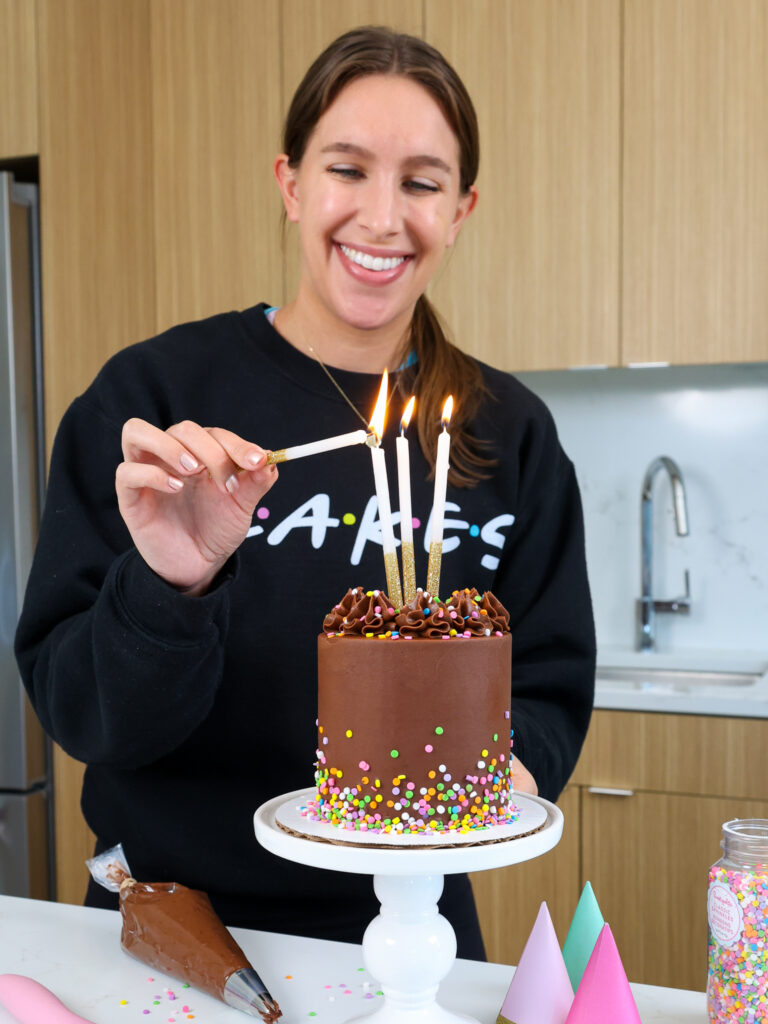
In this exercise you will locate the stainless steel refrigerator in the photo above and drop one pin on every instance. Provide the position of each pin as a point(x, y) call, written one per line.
point(26, 862)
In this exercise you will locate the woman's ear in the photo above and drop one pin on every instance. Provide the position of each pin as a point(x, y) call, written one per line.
point(467, 203)
point(285, 175)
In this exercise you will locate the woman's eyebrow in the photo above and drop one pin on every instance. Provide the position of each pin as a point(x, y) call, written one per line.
point(418, 160)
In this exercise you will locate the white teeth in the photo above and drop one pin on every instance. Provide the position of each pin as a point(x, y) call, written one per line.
point(363, 259)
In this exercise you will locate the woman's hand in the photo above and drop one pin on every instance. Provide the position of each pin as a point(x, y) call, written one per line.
point(187, 495)
point(522, 779)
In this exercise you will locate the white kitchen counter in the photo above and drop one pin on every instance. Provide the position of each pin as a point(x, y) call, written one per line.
point(75, 952)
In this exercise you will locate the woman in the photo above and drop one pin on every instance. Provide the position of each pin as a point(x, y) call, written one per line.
point(168, 636)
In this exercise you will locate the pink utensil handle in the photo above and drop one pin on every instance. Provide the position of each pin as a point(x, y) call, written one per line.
point(32, 1003)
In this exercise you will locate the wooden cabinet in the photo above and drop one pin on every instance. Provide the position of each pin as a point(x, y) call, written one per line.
point(695, 167)
point(647, 851)
point(533, 280)
point(508, 899)
point(647, 856)
point(216, 116)
point(18, 79)
point(643, 818)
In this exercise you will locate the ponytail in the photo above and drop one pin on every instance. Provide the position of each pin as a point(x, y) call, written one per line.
point(441, 370)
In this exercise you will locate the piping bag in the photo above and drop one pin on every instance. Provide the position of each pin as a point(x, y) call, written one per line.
point(176, 930)
point(30, 1002)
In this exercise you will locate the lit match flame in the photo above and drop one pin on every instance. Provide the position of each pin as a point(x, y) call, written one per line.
point(376, 425)
point(445, 419)
point(405, 419)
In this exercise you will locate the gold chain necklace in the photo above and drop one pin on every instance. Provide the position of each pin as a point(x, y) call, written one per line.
point(338, 387)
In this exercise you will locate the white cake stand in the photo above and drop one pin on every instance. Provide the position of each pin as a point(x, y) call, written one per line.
point(410, 947)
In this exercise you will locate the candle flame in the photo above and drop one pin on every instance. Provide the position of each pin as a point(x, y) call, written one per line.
point(405, 419)
point(445, 419)
point(379, 413)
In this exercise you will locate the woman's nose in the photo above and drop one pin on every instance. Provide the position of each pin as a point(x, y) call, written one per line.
point(380, 211)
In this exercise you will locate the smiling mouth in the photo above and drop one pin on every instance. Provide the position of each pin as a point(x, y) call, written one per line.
point(364, 259)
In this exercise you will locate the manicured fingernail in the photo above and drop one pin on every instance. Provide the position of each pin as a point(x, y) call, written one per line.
point(254, 458)
point(175, 483)
point(232, 483)
point(187, 461)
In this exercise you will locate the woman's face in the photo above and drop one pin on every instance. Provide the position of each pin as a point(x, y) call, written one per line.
point(377, 200)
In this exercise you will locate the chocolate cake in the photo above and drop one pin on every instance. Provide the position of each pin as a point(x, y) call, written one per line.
point(413, 714)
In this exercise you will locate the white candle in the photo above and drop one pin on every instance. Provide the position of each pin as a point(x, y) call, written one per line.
point(438, 501)
point(406, 514)
point(327, 444)
point(382, 495)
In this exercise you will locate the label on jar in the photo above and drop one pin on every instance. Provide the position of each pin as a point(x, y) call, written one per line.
point(724, 914)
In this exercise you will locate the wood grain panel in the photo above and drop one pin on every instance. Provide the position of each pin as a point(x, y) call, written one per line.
point(97, 244)
point(647, 857)
point(96, 188)
point(696, 754)
point(216, 120)
point(533, 281)
point(18, 79)
point(508, 899)
point(695, 243)
point(307, 27)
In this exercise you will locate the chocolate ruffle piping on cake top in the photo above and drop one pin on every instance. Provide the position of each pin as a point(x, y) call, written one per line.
point(369, 613)
point(361, 613)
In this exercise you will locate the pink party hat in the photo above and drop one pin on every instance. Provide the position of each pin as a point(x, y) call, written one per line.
point(604, 995)
point(540, 992)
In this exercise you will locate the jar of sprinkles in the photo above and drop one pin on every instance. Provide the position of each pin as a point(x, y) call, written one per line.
point(737, 912)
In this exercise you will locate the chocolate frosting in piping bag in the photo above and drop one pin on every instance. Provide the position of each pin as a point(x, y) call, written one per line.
point(176, 930)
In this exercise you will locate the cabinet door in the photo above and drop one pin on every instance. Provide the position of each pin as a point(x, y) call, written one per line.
point(533, 281)
point(18, 79)
point(647, 856)
point(216, 109)
point(695, 239)
point(508, 899)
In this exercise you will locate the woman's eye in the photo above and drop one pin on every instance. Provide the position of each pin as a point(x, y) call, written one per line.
point(346, 172)
point(416, 185)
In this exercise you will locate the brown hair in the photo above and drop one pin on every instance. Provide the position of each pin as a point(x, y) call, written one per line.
point(441, 368)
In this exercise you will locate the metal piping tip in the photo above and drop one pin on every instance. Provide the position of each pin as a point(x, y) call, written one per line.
point(244, 990)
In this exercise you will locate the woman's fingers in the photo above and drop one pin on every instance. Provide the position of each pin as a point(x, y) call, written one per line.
point(244, 454)
point(142, 442)
point(207, 450)
point(132, 477)
point(186, 448)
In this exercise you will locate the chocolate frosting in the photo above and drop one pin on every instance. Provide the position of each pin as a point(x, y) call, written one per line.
point(424, 617)
point(497, 613)
point(361, 613)
point(176, 930)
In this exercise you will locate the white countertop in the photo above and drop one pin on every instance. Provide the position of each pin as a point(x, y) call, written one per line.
point(75, 952)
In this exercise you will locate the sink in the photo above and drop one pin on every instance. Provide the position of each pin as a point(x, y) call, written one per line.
point(687, 691)
point(673, 680)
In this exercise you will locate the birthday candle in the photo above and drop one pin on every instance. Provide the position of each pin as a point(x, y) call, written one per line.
point(406, 515)
point(327, 444)
point(382, 494)
point(438, 501)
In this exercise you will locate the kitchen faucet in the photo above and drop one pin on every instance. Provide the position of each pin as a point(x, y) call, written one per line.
point(647, 605)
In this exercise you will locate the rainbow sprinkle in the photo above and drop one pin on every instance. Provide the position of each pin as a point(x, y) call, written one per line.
point(477, 801)
point(737, 983)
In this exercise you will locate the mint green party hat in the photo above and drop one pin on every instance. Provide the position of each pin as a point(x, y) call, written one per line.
point(585, 929)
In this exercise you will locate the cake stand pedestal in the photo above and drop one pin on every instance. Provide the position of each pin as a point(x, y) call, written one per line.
point(410, 947)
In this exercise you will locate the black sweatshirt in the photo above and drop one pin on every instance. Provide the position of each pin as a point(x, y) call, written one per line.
point(190, 712)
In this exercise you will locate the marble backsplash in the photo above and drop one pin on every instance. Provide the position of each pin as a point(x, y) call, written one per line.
point(713, 421)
